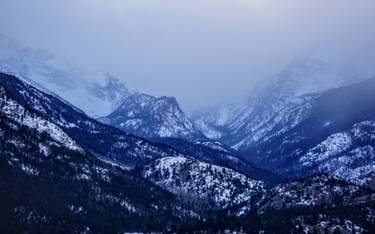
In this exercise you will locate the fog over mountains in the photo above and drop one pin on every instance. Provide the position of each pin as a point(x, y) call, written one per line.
point(197, 117)
point(164, 49)
point(95, 93)
point(313, 71)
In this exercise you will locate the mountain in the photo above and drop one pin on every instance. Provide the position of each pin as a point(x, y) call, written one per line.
point(299, 124)
point(207, 185)
point(103, 141)
point(51, 184)
point(147, 116)
point(97, 94)
point(242, 126)
point(336, 136)
point(162, 121)
point(109, 143)
point(318, 190)
point(63, 171)
point(275, 106)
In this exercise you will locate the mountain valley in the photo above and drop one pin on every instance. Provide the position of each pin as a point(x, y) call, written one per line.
point(293, 149)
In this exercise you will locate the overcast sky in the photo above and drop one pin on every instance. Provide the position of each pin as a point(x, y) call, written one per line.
point(201, 51)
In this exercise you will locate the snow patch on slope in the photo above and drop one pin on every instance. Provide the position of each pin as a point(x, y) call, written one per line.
point(18, 113)
point(222, 186)
point(333, 145)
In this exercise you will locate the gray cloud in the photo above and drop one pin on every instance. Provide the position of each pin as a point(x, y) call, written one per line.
point(201, 51)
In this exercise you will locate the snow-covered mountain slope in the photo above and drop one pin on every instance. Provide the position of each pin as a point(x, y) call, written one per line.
point(95, 93)
point(276, 106)
point(251, 125)
point(102, 140)
point(147, 116)
point(349, 155)
point(50, 184)
point(11, 109)
point(208, 185)
point(313, 191)
point(336, 137)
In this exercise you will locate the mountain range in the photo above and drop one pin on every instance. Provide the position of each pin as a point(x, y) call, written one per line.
point(82, 155)
point(197, 193)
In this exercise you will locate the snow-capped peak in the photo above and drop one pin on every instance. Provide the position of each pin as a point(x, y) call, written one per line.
point(278, 104)
point(152, 117)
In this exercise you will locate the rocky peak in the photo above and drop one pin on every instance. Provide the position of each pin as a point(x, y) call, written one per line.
point(151, 117)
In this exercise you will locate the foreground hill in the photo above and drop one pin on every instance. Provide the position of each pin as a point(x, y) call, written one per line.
point(210, 186)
